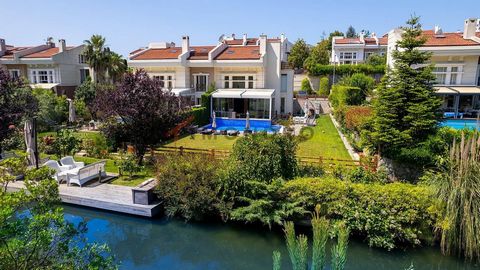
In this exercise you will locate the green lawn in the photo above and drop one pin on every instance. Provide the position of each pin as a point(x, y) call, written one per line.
point(217, 142)
point(77, 134)
point(323, 140)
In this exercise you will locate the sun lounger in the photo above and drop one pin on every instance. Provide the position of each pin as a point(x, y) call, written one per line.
point(232, 132)
point(207, 131)
point(60, 170)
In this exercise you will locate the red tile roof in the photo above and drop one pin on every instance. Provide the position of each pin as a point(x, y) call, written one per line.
point(239, 41)
point(200, 52)
point(47, 53)
point(240, 53)
point(164, 53)
point(368, 41)
point(11, 50)
point(447, 39)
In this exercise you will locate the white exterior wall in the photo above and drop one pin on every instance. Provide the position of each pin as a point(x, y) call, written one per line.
point(69, 67)
point(468, 63)
point(272, 62)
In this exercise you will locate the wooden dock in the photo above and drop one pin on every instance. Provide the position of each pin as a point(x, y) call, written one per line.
point(101, 196)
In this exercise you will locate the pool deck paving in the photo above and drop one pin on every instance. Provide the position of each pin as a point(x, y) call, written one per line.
point(101, 196)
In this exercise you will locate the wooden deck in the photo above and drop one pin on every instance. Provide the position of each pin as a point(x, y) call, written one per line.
point(102, 196)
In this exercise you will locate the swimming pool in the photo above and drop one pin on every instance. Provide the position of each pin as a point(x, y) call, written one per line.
point(460, 123)
point(239, 124)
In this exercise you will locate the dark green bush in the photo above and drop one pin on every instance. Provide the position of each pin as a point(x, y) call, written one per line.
point(188, 186)
point(324, 88)
point(201, 115)
point(65, 143)
point(321, 70)
point(52, 109)
point(306, 86)
point(341, 95)
point(387, 215)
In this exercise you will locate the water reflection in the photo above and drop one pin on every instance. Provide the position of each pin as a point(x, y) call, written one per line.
point(162, 244)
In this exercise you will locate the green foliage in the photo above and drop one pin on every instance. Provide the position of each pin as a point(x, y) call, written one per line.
point(364, 82)
point(322, 70)
point(376, 60)
point(15, 141)
point(339, 251)
point(65, 143)
point(457, 186)
point(388, 215)
point(319, 54)
point(82, 111)
point(306, 86)
point(345, 95)
point(265, 203)
point(277, 260)
point(356, 117)
point(297, 247)
point(310, 170)
point(128, 164)
point(86, 91)
point(188, 185)
point(34, 233)
point(320, 228)
point(96, 147)
point(298, 53)
point(351, 33)
point(406, 109)
point(201, 115)
point(324, 88)
point(52, 109)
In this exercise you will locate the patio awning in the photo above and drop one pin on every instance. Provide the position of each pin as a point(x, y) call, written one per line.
point(458, 90)
point(258, 93)
point(243, 93)
point(228, 93)
point(44, 85)
point(182, 91)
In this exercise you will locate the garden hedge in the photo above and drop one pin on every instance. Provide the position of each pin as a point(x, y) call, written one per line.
point(319, 70)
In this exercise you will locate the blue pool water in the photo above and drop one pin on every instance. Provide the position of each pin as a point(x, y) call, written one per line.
point(460, 123)
point(239, 124)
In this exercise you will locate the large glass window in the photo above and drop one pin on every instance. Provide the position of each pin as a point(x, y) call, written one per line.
point(282, 105)
point(239, 81)
point(201, 83)
point(447, 75)
point(168, 80)
point(42, 76)
point(14, 73)
point(84, 73)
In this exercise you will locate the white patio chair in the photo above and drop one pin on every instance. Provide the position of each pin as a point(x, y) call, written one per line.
point(68, 160)
point(80, 176)
point(60, 170)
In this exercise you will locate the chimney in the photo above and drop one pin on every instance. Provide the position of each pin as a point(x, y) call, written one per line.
point(62, 45)
point(233, 36)
point(244, 39)
point(374, 36)
point(185, 44)
point(282, 37)
point(3, 47)
point(262, 40)
point(469, 28)
point(438, 30)
point(362, 37)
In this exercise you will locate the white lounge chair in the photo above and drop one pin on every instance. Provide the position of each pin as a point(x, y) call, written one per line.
point(84, 174)
point(68, 160)
point(60, 170)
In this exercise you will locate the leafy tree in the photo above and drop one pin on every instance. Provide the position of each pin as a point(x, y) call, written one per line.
point(16, 102)
point(320, 54)
point(65, 143)
point(117, 66)
point(406, 109)
point(105, 63)
point(141, 110)
point(335, 33)
point(298, 54)
point(376, 60)
point(52, 109)
point(351, 33)
point(34, 233)
point(360, 80)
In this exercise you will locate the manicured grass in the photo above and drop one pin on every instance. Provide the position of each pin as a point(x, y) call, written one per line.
point(322, 140)
point(77, 134)
point(217, 142)
point(109, 165)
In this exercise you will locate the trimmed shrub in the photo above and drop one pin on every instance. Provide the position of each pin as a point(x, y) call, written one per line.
point(360, 80)
point(201, 115)
point(387, 215)
point(356, 117)
point(324, 88)
point(321, 70)
point(344, 95)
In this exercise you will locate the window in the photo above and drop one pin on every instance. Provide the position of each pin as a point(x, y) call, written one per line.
point(200, 82)
point(239, 81)
point(168, 80)
point(447, 75)
point(14, 73)
point(282, 105)
point(348, 57)
point(283, 83)
point(82, 59)
point(84, 74)
point(42, 76)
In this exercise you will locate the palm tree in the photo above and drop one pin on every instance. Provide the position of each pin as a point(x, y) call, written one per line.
point(97, 55)
point(116, 66)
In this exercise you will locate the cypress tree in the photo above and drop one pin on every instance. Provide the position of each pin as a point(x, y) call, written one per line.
point(406, 108)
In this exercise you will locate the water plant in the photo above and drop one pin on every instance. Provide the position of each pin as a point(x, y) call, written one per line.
point(339, 250)
point(320, 227)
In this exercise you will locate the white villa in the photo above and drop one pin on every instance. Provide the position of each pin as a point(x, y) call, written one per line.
point(357, 50)
point(248, 74)
point(456, 56)
point(50, 66)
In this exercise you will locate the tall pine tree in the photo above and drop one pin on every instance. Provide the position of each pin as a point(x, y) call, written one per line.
point(406, 108)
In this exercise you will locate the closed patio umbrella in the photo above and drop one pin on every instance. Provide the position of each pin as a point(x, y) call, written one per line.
point(71, 111)
point(214, 121)
point(30, 134)
point(247, 121)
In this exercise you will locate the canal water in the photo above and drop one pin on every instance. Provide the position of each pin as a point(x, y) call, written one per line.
point(160, 243)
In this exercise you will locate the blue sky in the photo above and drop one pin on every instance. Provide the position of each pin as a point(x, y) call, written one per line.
point(128, 25)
